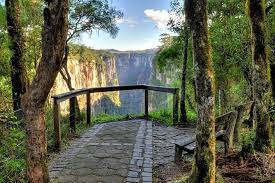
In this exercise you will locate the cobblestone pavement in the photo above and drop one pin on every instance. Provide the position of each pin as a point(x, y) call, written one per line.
point(113, 152)
point(117, 152)
point(163, 142)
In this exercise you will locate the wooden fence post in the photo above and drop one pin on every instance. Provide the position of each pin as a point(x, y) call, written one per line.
point(88, 117)
point(57, 131)
point(146, 104)
point(175, 106)
point(72, 114)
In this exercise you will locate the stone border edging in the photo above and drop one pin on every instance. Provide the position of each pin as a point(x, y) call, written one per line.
point(141, 165)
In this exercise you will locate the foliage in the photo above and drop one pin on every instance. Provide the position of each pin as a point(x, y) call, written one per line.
point(90, 15)
point(247, 141)
point(170, 54)
point(231, 54)
point(168, 63)
point(163, 115)
point(83, 53)
point(5, 86)
point(12, 152)
point(272, 111)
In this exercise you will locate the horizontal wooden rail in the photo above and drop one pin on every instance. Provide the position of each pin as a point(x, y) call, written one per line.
point(57, 99)
point(65, 96)
point(162, 89)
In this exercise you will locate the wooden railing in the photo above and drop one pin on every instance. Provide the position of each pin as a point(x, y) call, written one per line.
point(57, 99)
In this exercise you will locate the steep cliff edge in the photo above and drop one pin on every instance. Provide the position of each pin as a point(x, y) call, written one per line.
point(89, 68)
point(109, 68)
point(134, 67)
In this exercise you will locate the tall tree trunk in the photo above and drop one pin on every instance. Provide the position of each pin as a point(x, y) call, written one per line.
point(183, 117)
point(272, 68)
point(18, 71)
point(68, 79)
point(204, 167)
point(261, 75)
point(54, 36)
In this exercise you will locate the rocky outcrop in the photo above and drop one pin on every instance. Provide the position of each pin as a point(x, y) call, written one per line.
point(134, 67)
point(87, 74)
point(113, 68)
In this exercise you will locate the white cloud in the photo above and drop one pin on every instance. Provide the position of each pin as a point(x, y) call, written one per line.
point(160, 17)
point(129, 21)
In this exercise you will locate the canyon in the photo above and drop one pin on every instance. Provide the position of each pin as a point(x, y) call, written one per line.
point(102, 68)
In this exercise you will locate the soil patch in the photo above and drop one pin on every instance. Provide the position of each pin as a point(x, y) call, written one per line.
point(257, 168)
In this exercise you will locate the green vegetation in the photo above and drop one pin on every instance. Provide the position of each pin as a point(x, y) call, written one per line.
point(12, 152)
point(247, 141)
point(85, 54)
point(163, 116)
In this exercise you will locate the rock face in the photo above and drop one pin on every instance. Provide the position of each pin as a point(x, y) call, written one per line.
point(135, 67)
point(115, 68)
point(132, 67)
point(86, 74)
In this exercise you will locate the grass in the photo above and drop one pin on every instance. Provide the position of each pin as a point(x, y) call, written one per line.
point(163, 116)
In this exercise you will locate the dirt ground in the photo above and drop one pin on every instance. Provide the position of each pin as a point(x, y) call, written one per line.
point(257, 168)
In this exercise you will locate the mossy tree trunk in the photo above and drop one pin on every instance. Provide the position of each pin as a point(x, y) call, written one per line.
point(183, 117)
point(204, 167)
point(272, 68)
point(261, 74)
point(18, 71)
point(53, 45)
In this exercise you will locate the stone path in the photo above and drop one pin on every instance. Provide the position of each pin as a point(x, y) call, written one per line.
point(163, 142)
point(117, 152)
point(114, 152)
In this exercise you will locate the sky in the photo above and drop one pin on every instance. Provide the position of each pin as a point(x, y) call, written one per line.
point(143, 22)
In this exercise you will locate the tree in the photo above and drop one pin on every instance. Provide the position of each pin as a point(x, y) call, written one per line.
point(261, 74)
point(181, 28)
point(204, 167)
point(173, 56)
point(183, 117)
point(54, 36)
point(18, 71)
point(272, 68)
point(87, 16)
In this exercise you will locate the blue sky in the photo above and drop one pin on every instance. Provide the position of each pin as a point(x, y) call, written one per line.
point(143, 22)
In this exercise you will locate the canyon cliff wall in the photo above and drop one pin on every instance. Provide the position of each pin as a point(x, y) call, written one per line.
point(112, 69)
point(87, 74)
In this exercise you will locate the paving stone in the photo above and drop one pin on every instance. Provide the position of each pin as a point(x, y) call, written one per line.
point(133, 174)
point(139, 163)
point(130, 179)
point(146, 174)
point(149, 170)
point(147, 165)
point(147, 179)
